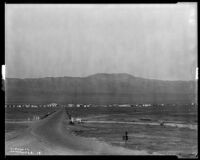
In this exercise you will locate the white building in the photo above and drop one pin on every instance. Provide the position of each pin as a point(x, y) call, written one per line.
point(27, 105)
point(146, 105)
point(124, 105)
point(70, 105)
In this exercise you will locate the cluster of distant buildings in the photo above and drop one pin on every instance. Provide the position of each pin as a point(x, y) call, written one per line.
point(125, 105)
point(34, 118)
point(110, 105)
point(30, 105)
point(51, 105)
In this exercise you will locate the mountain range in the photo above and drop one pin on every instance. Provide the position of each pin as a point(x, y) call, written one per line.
point(99, 88)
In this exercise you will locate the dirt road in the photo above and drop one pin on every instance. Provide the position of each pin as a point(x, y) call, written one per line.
point(50, 137)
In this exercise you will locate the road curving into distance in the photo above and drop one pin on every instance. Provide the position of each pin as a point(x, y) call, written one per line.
point(49, 136)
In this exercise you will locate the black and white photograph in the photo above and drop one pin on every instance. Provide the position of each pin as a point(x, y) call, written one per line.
point(101, 79)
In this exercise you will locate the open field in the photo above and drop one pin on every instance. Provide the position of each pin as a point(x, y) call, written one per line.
point(107, 124)
point(178, 136)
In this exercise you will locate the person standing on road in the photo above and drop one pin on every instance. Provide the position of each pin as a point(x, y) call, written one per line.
point(125, 137)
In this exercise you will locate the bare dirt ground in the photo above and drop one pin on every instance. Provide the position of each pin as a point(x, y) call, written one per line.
point(50, 137)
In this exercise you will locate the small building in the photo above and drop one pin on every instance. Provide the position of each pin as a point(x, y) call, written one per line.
point(146, 105)
point(124, 105)
point(78, 120)
point(27, 105)
point(70, 105)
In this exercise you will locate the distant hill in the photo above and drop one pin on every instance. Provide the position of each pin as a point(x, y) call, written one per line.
point(99, 89)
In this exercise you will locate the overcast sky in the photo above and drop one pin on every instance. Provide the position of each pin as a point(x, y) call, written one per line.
point(150, 41)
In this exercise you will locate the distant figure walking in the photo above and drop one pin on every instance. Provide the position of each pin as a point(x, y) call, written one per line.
point(125, 137)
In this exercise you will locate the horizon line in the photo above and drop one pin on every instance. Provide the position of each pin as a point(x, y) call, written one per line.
point(99, 74)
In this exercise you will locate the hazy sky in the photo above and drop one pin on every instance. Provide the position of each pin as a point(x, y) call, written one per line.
point(151, 41)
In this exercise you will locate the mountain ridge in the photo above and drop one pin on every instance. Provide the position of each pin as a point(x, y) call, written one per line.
point(100, 88)
point(105, 74)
